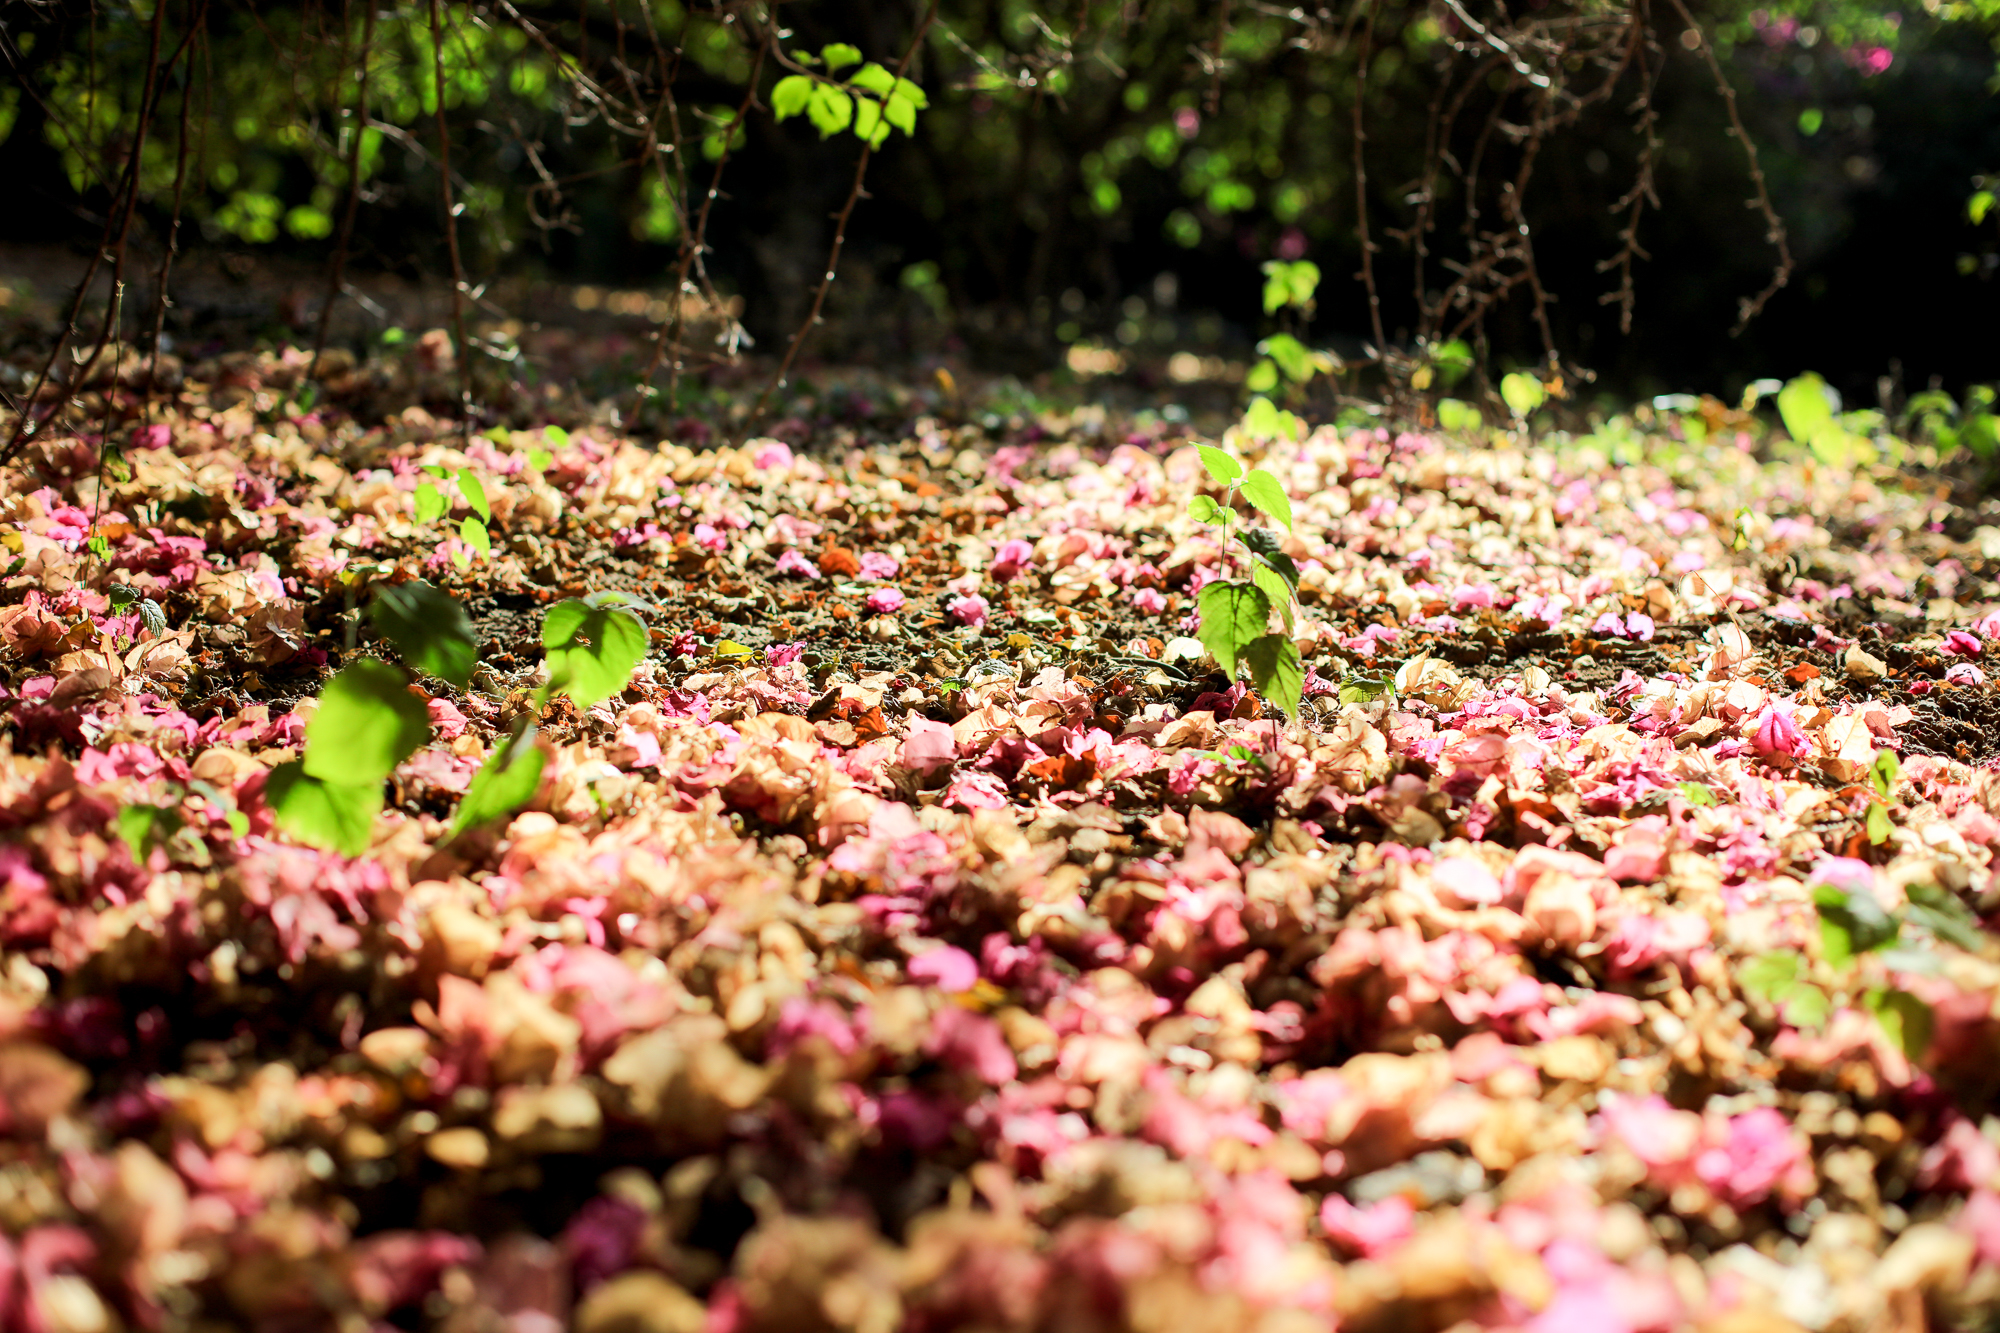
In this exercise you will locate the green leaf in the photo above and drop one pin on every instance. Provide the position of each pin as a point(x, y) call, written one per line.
point(1453, 360)
point(1274, 587)
point(1220, 465)
point(337, 816)
point(1769, 975)
point(1277, 291)
point(1291, 356)
point(1264, 421)
point(1458, 417)
point(430, 502)
point(1978, 206)
point(1697, 793)
point(539, 459)
point(1289, 284)
point(830, 110)
point(1204, 509)
point(1851, 922)
point(1232, 616)
point(475, 494)
point(1879, 824)
point(873, 78)
point(1905, 1019)
point(144, 827)
point(1522, 393)
point(122, 598)
point(367, 723)
point(504, 783)
point(907, 91)
point(731, 648)
point(429, 629)
point(1805, 408)
point(790, 95)
point(839, 55)
point(869, 126)
point(1807, 1006)
point(1303, 279)
point(1945, 916)
point(1263, 377)
point(1362, 689)
point(1276, 671)
point(901, 112)
point(1263, 543)
point(1265, 491)
point(592, 651)
point(1885, 773)
point(473, 533)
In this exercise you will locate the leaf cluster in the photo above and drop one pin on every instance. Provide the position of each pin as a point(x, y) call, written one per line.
point(432, 504)
point(1853, 923)
point(369, 720)
point(871, 101)
point(1236, 613)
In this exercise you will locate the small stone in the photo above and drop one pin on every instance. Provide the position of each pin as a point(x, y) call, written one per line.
point(640, 1302)
point(1865, 667)
point(461, 1149)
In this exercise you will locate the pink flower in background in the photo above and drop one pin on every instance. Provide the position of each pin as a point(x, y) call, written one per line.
point(784, 654)
point(710, 538)
point(1779, 734)
point(1964, 673)
point(951, 970)
point(877, 567)
point(1871, 60)
point(1758, 1150)
point(969, 610)
point(1149, 601)
point(1961, 644)
point(1012, 560)
point(930, 746)
point(970, 1043)
point(772, 454)
point(1370, 1232)
point(791, 562)
point(886, 601)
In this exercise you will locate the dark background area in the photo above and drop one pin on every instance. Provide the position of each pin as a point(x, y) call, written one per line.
point(995, 189)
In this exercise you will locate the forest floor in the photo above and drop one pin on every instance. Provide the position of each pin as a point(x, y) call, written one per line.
point(925, 939)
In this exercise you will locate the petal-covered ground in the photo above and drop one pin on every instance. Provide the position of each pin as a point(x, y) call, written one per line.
point(926, 940)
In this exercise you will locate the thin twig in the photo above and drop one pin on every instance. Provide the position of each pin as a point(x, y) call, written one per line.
point(451, 227)
point(197, 23)
point(839, 234)
point(696, 241)
point(1774, 232)
point(353, 205)
point(119, 218)
point(1361, 184)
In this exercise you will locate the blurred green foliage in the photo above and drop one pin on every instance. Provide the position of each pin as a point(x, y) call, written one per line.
point(1059, 148)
